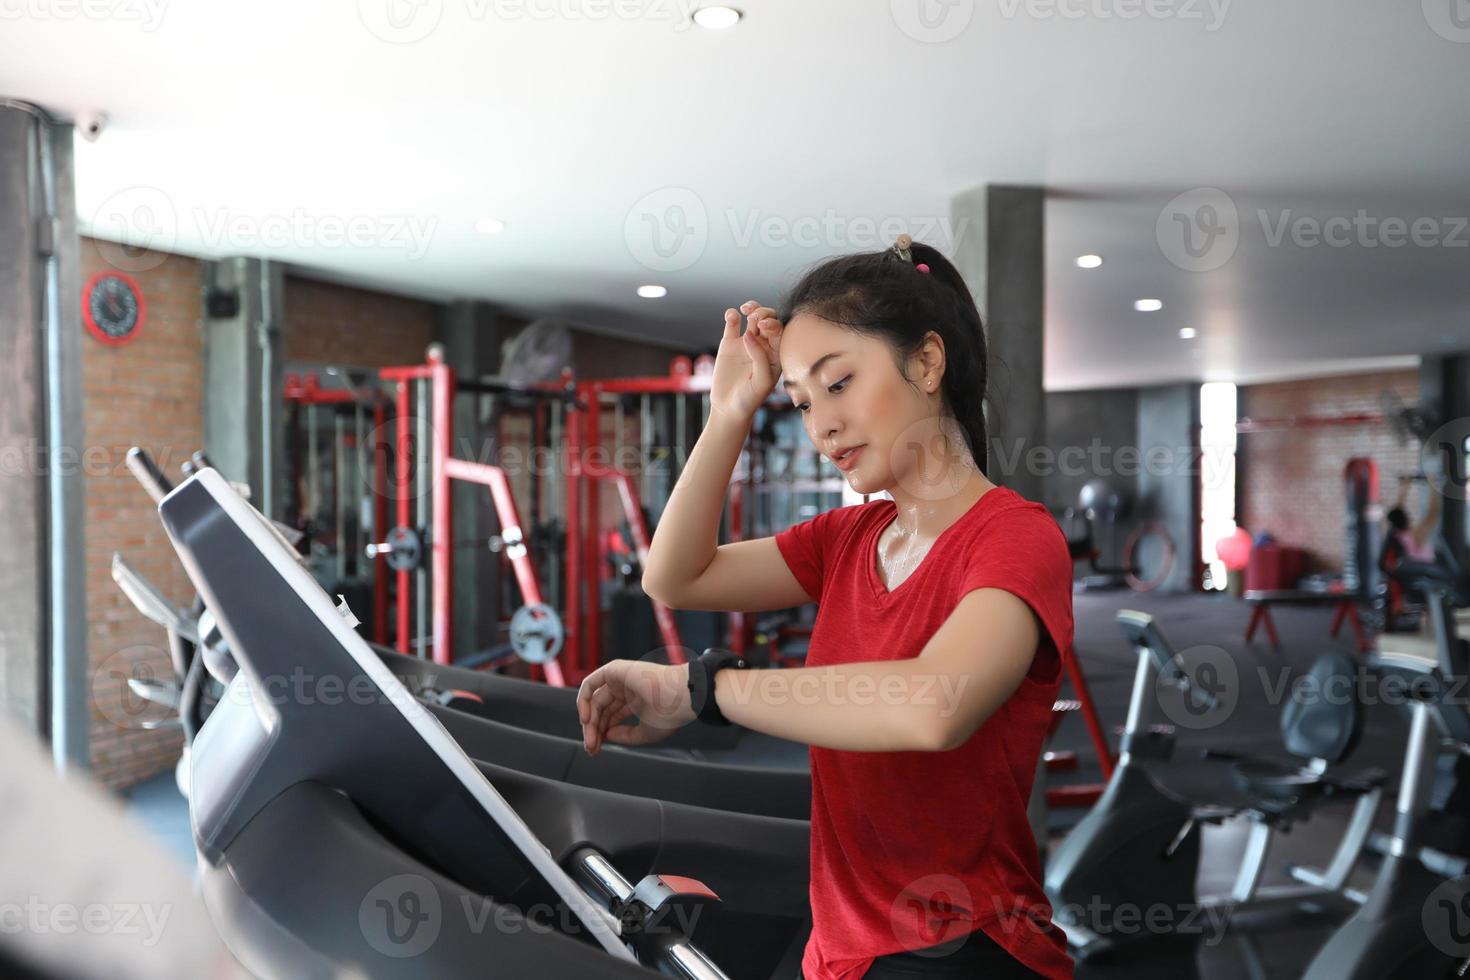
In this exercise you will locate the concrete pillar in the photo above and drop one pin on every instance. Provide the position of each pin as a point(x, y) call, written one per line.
point(43, 623)
point(1444, 387)
point(1169, 474)
point(471, 334)
point(1001, 254)
point(243, 376)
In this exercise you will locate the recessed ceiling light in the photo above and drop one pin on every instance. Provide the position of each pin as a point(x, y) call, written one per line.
point(716, 18)
point(1089, 261)
point(489, 226)
point(652, 292)
point(1148, 305)
point(1186, 333)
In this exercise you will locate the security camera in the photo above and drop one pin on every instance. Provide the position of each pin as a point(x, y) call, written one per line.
point(91, 124)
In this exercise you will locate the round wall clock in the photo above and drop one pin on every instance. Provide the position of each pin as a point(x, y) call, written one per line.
point(112, 307)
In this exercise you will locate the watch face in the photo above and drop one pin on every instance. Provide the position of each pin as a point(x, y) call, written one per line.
point(112, 306)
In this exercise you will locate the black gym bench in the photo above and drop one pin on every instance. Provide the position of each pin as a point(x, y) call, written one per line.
point(1347, 610)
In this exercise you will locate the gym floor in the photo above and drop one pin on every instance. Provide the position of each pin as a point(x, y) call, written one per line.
point(1260, 946)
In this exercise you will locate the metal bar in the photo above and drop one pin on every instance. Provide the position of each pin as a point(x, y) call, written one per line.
point(313, 473)
point(1252, 862)
point(647, 439)
point(573, 599)
point(592, 649)
point(67, 598)
point(380, 522)
point(511, 532)
point(422, 518)
point(402, 446)
point(662, 614)
point(442, 541)
point(1307, 421)
point(555, 490)
point(1089, 712)
point(359, 477)
point(339, 485)
point(1334, 877)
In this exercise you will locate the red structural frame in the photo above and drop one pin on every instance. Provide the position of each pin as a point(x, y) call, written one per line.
point(586, 547)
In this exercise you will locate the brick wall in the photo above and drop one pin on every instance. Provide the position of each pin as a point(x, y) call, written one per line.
point(330, 324)
point(1292, 479)
point(146, 393)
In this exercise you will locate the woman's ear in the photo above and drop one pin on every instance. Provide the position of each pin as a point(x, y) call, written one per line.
point(931, 362)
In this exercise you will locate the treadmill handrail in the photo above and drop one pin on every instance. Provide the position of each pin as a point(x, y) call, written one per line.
point(283, 561)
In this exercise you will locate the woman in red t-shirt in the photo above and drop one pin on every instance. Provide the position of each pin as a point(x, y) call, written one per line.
point(942, 619)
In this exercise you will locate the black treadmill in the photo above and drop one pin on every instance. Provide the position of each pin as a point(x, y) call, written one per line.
point(516, 723)
point(342, 830)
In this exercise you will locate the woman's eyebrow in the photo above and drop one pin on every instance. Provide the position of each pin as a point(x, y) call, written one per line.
point(788, 385)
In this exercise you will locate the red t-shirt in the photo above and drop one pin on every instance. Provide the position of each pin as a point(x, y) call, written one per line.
point(914, 849)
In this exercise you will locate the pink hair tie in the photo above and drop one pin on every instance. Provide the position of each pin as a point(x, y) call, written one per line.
point(922, 267)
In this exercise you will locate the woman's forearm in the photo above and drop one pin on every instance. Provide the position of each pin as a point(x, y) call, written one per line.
point(688, 532)
point(872, 706)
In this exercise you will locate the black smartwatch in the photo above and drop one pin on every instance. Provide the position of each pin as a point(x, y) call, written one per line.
point(702, 671)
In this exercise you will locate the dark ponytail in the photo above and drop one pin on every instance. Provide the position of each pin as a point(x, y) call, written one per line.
point(882, 294)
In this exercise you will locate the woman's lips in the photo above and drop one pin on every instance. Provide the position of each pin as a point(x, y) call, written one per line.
point(850, 460)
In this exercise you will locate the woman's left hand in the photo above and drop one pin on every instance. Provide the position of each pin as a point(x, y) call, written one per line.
point(657, 694)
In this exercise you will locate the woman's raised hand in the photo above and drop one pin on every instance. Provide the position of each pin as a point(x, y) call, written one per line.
point(747, 365)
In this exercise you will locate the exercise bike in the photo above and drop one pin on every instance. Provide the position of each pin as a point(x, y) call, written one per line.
point(1415, 921)
point(1139, 847)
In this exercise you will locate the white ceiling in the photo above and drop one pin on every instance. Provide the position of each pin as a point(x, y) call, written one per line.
point(576, 121)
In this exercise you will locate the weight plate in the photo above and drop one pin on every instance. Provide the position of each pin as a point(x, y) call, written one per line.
point(536, 633)
point(405, 551)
